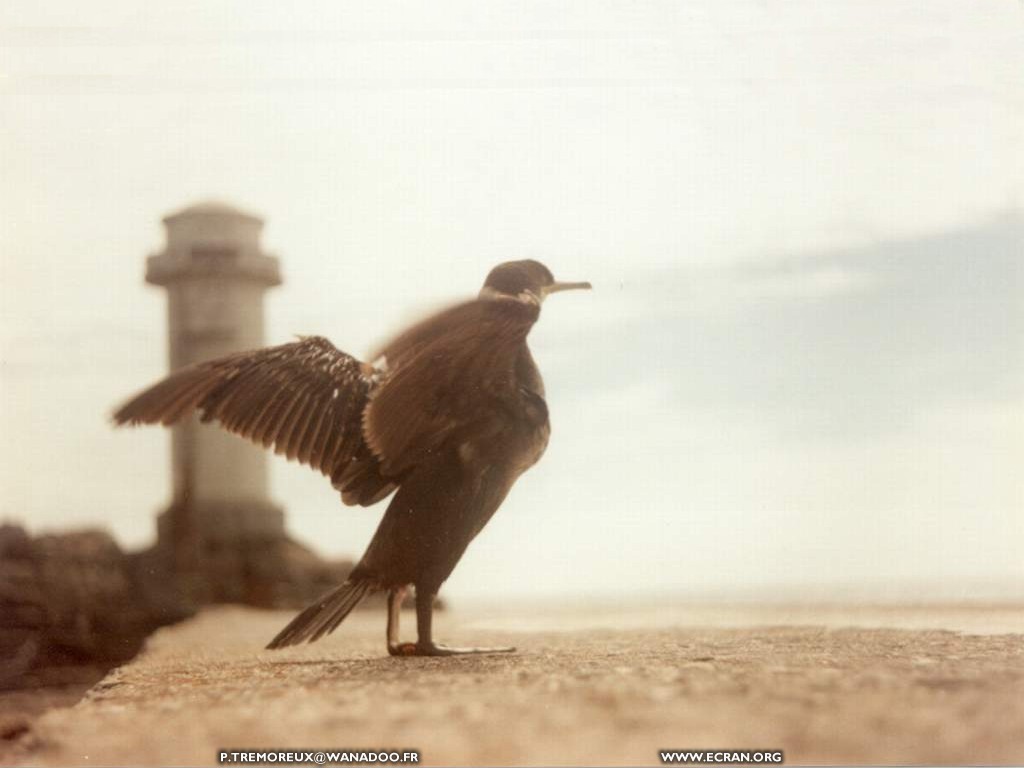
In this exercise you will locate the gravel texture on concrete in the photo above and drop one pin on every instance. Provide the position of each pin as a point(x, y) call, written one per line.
point(826, 685)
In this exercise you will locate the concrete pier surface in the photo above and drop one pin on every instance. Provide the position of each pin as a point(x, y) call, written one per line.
point(588, 686)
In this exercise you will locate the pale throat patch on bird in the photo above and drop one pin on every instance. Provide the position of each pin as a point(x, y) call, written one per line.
point(526, 296)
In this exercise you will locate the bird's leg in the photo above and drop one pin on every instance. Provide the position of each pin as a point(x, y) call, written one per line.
point(426, 646)
point(395, 599)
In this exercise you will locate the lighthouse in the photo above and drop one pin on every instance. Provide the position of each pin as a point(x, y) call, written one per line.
point(221, 529)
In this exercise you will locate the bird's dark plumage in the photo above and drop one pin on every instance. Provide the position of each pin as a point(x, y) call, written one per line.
point(451, 413)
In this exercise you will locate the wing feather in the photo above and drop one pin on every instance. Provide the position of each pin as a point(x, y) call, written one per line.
point(316, 430)
point(300, 424)
point(265, 418)
point(282, 444)
point(304, 400)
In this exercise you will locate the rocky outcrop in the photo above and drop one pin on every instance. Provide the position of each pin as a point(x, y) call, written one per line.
point(68, 603)
point(75, 604)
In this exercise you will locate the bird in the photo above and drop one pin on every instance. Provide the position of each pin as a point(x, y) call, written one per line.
point(447, 416)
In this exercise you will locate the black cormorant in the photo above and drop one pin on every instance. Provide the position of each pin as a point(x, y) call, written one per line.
point(450, 413)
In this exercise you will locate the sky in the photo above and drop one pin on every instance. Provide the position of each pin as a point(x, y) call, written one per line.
point(801, 367)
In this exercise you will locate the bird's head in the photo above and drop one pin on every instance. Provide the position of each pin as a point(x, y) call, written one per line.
point(526, 280)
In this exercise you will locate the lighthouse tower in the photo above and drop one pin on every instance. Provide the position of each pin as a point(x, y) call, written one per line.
point(221, 528)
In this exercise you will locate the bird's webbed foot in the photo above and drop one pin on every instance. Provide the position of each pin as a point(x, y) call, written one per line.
point(436, 649)
point(425, 646)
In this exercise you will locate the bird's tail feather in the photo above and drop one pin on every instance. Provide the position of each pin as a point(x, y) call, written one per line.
point(323, 616)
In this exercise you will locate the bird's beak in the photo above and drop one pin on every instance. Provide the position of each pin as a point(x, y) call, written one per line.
point(556, 287)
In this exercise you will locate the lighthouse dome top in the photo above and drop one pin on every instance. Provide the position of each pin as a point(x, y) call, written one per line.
point(212, 238)
point(211, 207)
point(213, 223)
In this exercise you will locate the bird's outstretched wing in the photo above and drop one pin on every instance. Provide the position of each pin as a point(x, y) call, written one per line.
point(305, 399)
